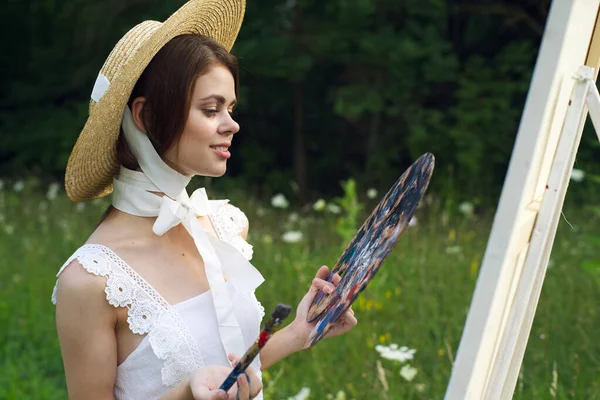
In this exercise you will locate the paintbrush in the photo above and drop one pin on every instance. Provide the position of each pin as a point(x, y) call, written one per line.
point(279, 314)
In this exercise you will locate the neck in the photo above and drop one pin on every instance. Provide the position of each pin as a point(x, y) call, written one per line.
point(155, 170)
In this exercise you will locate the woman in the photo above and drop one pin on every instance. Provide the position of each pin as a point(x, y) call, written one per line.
point(160, 300)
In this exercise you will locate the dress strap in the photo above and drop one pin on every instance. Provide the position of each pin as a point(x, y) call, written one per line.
point(148, 312)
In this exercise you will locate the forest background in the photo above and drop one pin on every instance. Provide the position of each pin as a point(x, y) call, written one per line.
point(329, 90)
point(337, 98)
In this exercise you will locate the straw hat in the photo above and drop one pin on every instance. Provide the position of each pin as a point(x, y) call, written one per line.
point(93, 161)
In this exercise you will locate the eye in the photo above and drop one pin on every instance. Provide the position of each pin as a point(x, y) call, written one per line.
point(209, 112)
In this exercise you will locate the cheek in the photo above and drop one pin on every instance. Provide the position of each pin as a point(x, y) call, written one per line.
point(198, 128)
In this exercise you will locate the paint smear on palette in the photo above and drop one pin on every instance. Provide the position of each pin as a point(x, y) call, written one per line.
point(370, 246)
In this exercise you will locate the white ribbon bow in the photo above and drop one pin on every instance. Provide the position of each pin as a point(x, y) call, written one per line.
point(133, 194)
point(172, 213)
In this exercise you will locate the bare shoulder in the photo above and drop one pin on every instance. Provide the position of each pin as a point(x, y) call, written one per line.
point(85, 323)
point(76, 285)
point(82, 282)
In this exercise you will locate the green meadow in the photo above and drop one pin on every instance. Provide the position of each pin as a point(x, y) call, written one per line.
point(419, 299)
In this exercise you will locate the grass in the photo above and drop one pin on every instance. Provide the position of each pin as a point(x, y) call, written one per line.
point(419, 299)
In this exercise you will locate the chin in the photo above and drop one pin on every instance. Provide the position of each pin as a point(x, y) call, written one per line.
point(214, 172)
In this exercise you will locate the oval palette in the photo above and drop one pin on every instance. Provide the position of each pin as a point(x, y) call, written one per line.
point(366, 252)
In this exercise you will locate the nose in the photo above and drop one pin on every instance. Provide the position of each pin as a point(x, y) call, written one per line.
point(229, 126)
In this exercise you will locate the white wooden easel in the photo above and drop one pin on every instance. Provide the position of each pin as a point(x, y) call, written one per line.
point(509, 284)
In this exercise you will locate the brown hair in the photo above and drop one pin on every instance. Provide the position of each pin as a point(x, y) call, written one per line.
point(167, 84)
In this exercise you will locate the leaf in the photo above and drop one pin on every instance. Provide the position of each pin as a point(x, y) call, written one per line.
point(592, 267)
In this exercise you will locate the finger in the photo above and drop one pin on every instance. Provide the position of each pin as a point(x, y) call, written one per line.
point(204, 393)
point(336, 278)
point(350, 320)
point(321, 284)
point(218, 395)
point(255, 383)
point(343, 325)
point(323, 272)
point(233, 359)
point(234, 392)
point(243, 387)
point(315, 287)
point(347, 320)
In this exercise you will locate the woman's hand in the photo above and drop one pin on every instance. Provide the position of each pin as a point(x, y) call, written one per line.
point(301, 327)
point(205, 382)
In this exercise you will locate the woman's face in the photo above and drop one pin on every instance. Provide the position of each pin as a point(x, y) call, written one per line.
point(209, 129)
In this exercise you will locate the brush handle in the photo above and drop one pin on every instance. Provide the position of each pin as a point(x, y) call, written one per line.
point(277, 316)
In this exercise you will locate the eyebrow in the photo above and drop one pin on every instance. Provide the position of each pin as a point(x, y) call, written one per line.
point(220, 99)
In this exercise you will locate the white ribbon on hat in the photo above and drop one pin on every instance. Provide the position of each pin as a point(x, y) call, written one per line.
point(133, 195)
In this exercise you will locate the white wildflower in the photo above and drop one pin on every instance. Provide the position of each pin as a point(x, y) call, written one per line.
point(319, 205)
point(453, 249)
point(9, 229)
point(393, 352)
point(372, 193)
point(577, 175)
point(408, 372)
point(18, 186)
point(279, 201)
point(302, 394)
point(413, 221)
point(52, 191)
point(420, 387)
point(292, 236)
point(466, 208)
point(542, 336)
point(79, 207)
point(334, 208)
point(340, 395)
point(293, 217)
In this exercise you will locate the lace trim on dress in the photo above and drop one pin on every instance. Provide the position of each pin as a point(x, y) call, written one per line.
point(148, 312)
point(229, 221)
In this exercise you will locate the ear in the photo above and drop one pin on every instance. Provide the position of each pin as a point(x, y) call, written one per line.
point(136, 110)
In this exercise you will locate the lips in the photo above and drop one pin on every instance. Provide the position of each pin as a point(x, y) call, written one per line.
point(222, 150)
point(221, 146)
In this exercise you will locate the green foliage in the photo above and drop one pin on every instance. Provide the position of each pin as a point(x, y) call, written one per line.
point(418, 299)
point(348, 223)
point(357, 87)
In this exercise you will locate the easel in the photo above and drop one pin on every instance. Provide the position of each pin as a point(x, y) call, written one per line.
point(518, 325)
point(508, 288)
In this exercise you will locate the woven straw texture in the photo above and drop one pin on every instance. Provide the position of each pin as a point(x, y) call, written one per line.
point(93, 161)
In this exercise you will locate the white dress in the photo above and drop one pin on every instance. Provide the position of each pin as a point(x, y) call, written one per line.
point(181, 337)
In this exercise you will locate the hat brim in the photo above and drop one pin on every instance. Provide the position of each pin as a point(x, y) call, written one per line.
point(93, 161)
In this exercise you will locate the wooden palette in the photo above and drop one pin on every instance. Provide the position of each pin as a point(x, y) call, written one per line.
point(370, 246)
